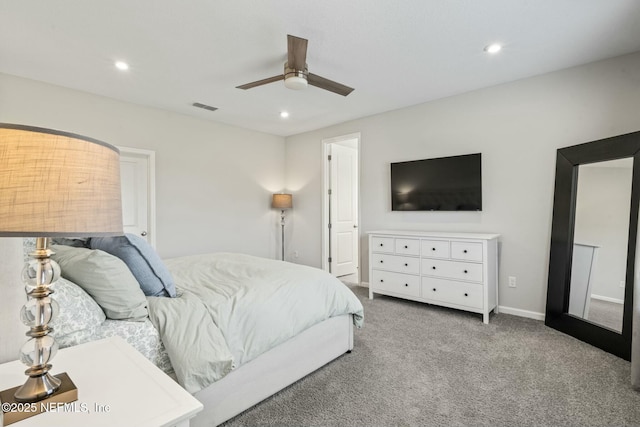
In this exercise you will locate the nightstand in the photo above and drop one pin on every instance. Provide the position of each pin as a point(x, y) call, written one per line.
point(117, 386)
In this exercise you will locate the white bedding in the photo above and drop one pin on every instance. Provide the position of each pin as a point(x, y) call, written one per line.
point(254, 303)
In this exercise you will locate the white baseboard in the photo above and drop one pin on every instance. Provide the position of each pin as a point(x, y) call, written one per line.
point(522, 313)
point(608, 299)
point(502, 309)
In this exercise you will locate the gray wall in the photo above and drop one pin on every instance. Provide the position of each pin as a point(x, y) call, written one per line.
point(517, 126)
point(214, 182)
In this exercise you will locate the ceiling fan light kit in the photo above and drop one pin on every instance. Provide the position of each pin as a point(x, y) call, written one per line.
point(295, 79)
point(296, 74)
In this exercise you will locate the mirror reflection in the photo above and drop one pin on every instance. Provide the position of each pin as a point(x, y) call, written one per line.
point(599, 260)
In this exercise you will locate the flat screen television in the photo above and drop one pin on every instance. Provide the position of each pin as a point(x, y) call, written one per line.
point(441, 184)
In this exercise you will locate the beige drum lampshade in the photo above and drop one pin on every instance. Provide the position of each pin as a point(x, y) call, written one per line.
point(55, 183)
point(282, 201)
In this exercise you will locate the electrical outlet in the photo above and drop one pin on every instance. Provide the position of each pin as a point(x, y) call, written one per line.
point(512, 281)
point(622, 283)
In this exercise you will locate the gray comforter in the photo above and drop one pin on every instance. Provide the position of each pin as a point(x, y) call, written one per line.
point(231, 308)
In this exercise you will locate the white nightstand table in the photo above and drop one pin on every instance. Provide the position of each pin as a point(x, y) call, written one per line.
point(117, 386)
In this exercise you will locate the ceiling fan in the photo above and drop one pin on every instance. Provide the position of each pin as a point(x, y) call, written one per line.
point(296, 74)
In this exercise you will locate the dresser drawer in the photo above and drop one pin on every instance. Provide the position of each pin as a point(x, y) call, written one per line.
point(397, 263)
point(452, 292)
point(395, 282)
point(452, 269)
point(382, 244)
point(435, 248)
point(408, 247)
point(468, 251)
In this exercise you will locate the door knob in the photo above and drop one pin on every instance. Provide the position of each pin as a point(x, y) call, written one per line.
point(355, 226)
point(144, 233)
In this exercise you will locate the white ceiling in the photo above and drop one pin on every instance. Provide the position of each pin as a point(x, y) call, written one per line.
point(394, 53)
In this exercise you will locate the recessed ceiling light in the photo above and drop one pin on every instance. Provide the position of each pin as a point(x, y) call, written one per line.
point(284, 114)
point(493, 48)
point(121, 65)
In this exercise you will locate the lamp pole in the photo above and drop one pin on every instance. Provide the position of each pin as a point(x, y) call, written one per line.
point(283, 202)
point(282, 226)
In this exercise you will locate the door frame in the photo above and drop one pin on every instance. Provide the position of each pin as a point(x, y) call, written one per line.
point(326, 174)
point(150, 155)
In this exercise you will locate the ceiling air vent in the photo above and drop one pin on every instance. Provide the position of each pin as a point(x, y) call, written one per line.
point(204, 106)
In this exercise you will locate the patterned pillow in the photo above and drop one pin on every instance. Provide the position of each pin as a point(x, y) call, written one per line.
point(78, 311)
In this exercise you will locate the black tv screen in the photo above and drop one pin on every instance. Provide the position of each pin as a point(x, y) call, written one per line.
point(442, 184)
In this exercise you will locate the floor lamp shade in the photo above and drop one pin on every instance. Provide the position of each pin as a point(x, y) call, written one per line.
point(52, 184)
point(57, 184)
point(282, 201)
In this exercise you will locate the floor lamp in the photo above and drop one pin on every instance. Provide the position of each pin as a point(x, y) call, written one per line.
point(282, 202)
point(52, 184)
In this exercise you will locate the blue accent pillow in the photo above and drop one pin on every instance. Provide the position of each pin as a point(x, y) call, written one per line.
point(145, 264)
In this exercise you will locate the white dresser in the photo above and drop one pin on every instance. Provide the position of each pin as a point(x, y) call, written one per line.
point(456, 270)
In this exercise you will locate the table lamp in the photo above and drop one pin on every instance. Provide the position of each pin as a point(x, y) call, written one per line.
point(52, 184)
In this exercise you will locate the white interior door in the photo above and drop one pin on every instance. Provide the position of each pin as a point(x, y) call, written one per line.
point(343, 211)
point(138, 196)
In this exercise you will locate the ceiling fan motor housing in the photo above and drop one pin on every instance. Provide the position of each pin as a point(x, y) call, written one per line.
point(295, 79)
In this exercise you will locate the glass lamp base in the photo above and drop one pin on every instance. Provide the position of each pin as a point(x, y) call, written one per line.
point(40, 309)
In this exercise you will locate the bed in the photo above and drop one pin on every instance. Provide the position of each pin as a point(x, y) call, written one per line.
point(236, 330)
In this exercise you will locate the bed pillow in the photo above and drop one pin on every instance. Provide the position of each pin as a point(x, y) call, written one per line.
point(143, 261)
point(70, 241)
point(106, 278)
point(78, 311)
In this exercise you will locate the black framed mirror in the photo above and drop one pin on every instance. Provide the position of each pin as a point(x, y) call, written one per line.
point(609, 257)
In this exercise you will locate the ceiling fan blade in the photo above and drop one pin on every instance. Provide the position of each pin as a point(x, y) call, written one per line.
point(330, 85)
point(296, 52)
point(261, 82)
